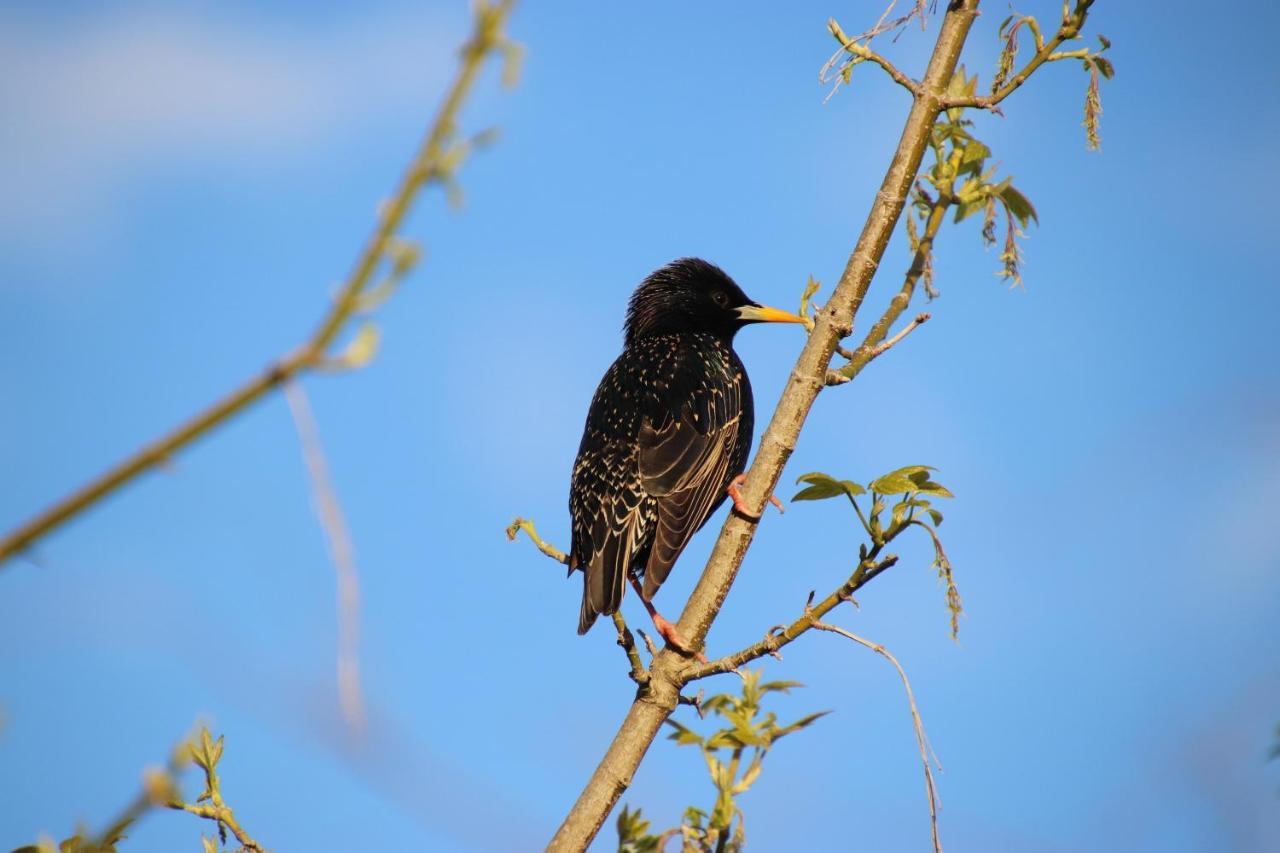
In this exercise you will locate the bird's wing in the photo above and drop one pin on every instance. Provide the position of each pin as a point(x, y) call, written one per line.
point(685, 464)
point(611, 517)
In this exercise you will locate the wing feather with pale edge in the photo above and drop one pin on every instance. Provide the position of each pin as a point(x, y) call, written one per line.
point(685, 463)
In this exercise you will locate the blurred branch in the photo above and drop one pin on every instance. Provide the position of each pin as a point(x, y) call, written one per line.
point(921, 739)
point(329, 512)
point(160, 789)
point(436, 161)
point(206, 753)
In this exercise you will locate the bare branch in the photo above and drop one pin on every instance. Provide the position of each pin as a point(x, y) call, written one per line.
point(834, 377)
point(921, 739)
point(342, 552)
point(781, 635)
point(861, 53)
point(435, 161)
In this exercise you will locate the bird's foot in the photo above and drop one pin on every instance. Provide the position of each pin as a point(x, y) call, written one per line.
point(672, 636)
point(740, 505)
point(664, 626)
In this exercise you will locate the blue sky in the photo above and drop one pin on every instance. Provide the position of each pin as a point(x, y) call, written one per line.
point(185, 184)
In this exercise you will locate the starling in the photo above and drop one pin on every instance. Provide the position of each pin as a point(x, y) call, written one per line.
point(667, 435)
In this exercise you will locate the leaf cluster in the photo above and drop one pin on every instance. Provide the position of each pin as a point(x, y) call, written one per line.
point(915, 489)
point(734, 756)
point(963, 177)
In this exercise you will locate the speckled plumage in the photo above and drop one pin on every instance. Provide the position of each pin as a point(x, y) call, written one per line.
point(669, 428)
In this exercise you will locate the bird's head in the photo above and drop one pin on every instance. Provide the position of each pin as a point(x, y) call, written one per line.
point(692, 295)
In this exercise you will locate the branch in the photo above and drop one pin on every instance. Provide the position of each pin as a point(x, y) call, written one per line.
point(626, 640)
point(438, 155)
point(781, 635)
point(835, 377)
point(921, 739)
point(527, 526)
point(921, 262)
point(342, 552)
point(862, 53)
point(647, 713)
point(1048, 52)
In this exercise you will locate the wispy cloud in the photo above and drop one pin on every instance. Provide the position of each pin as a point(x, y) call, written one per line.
point(89, 106)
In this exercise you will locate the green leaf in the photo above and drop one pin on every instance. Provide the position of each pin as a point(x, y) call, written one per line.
point(779, 686)
point(803, 722)
point(822, 486)
point(1104, 65)
point(683, 735)
point(1018, 205)
point(898, 482)
point(1106, 42)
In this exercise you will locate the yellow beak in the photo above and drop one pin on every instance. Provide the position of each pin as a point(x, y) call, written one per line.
point(765, 314)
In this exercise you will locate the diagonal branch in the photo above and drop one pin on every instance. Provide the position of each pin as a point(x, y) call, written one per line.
point(921, 261)
point(652, 707)
point(341, 551)
point(782, 635)
point(437, 156)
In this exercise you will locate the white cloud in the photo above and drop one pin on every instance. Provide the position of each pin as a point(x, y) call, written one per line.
point(88, 107)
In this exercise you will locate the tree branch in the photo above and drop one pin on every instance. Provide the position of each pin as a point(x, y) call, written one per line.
point(835, 377)
point(862, 53)
point(650, 709)
point(437, 156)
point(1070, 29)
point(626, 640)
point(341, 551)
point(921, 260)
point(925, 750)
point(781, 635)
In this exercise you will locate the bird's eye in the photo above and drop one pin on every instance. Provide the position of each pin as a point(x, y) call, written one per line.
point(720, 298)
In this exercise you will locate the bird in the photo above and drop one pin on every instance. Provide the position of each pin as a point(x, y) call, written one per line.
point(667, 436)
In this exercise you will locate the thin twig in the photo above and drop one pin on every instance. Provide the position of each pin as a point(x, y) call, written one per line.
point(921, 739)
point(428, 166)
point(341, 551)
point(780, 636)
point(920, 260)
point(527, 526)
point(835, 377)
point(862, 53)
point(627, 641)
point(1070, 29)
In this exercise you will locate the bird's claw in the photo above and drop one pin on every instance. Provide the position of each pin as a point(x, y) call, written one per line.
point(673, 638)
point(740, 505)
